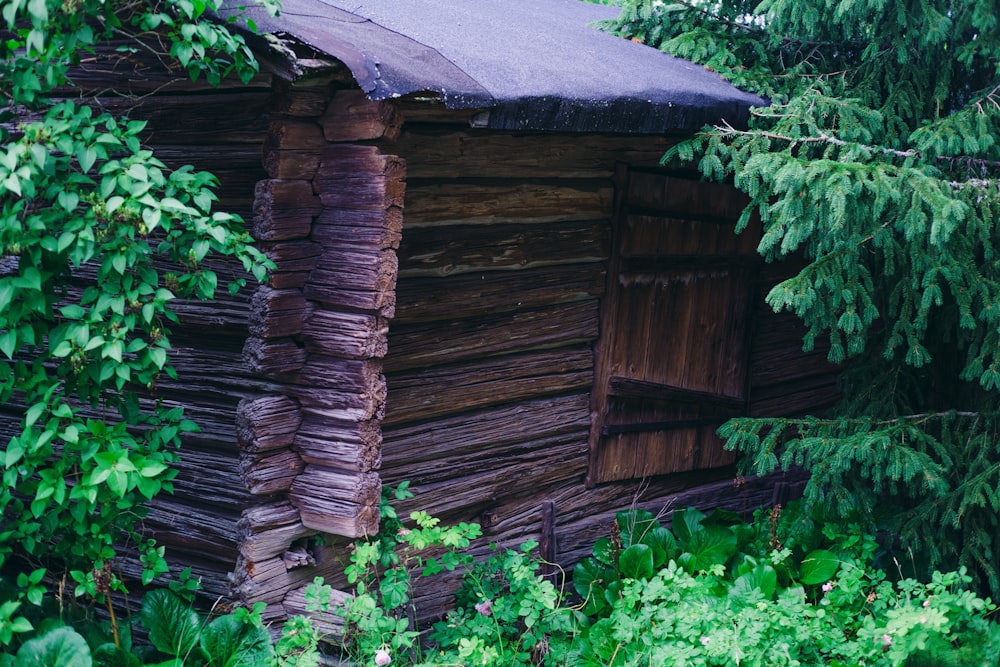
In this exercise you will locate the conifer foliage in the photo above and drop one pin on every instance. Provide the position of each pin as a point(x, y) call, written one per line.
point(877, 163)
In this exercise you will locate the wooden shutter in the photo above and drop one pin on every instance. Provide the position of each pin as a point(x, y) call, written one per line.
point(672, 360)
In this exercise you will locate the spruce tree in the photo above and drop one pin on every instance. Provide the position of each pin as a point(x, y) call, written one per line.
point(877, 162)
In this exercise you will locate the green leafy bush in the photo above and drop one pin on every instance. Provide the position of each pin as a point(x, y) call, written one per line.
point(712, 590)
point(97, 240)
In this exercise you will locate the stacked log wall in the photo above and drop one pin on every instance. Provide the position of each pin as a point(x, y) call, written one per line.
point(490, 363)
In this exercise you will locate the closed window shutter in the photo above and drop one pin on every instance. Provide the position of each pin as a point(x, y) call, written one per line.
point(673, 357)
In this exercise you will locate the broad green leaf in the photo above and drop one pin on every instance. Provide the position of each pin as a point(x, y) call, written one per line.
point(109, 655)
point(759, 582)
point(172, 624)
point(636, 562)
point(685, 523)
point(61, 647)
point(663, 544)
point(818, 567)
point(708, 547)
point(604, 550)
point(230, 642)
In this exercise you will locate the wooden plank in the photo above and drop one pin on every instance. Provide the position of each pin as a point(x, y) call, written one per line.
point(344, 445)
point(271, 472)
point(652, 193)
point(477, 384)
point(337, 502)
point(482, 431)
point(277, 313)
point(299, 100)
point(445, 153)
point(273, 357)
point(284, 209)
point(625, 387)
point(351, 116)
point(347, 335)
point(355, 270)
point(427, 344)
point(436, 203)
point(443, 251)
point(470, 295)
point(367, 229)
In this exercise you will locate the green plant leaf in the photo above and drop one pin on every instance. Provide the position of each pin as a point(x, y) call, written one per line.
point(685, 523)
point(636, 562)
point(818, 567)
point(761, 581)
point(173, 625)
point(663, 544)
point(604, 551)
point(60, 647)
point(109, 655)
point(707, 547)
point(230, 642)
point(590, 578)
point(634, 524)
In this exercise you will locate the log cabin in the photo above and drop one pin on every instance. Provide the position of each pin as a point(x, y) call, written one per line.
point(485, 283)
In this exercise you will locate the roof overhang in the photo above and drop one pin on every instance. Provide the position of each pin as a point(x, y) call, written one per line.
point(537, 65)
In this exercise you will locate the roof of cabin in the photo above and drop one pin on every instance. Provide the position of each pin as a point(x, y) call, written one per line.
point(534, 64)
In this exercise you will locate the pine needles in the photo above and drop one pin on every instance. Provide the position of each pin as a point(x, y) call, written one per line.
point(878, 164)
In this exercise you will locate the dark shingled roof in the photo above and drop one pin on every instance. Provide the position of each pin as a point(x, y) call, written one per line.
point(535, 64)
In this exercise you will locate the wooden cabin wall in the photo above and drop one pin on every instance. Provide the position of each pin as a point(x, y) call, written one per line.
point(431, 318)
point(490, 363)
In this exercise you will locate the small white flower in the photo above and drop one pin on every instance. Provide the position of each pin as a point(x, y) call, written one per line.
point(382, 657)
point(827, 587)
point(886, 640)
point(704, 640)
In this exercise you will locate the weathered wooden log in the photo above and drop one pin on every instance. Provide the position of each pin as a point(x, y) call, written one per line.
point(269, 580)
point(447, 203)
point(293, 149)
point(480, 383)
point(267, 423)
point(469, 295)
point(433, 343)
point(481, 431)
point(445, 153)
point(273, 357)
point(341, 405)
point(354, 376)
point(212, 475)
point(355, 280)
point(292, 256)
point(271, 472)
point(202, 530)
point(365, 229)
point(348, 269)
point(514, 470)
point(306, 100)
point(351, 116)
point(360, 178)
point(284, 209)
point(223, 117)
point(470, 248)
point(352, 446)
point(277, 313)
point(329, 624)
point(337, 502)
point(348, 335)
